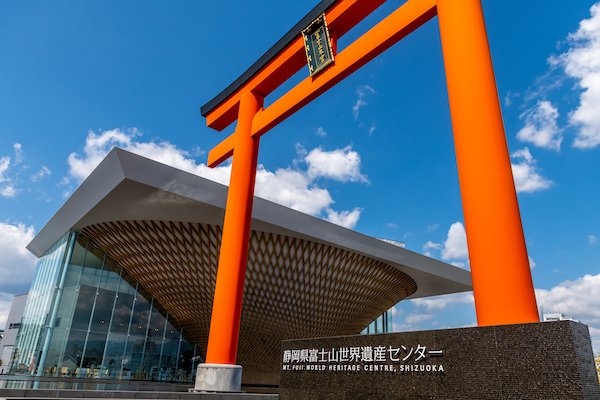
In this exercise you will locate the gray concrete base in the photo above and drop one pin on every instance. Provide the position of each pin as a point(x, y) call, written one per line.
point(546, 360)
point(220, 378)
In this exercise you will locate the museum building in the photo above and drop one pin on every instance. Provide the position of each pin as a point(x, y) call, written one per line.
point(124, 284)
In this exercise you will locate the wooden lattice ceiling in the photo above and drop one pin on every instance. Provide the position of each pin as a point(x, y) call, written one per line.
point(295, 288)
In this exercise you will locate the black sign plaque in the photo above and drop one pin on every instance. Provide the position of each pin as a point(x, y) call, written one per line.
point(317, 42)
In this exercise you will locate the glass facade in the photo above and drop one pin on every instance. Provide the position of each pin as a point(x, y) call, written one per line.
point(383, 324)
point(105, 326)
point(41, 296)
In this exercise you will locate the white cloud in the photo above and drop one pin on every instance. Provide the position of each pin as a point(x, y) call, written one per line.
point(438, 303)
point(18, 148)
point(372, 128)
point(532, 263)
point(291, 187)
point(432, 246)
point(454, 249)
point(432, 227)
point(97, 146)
point(345, 218)
point(8, 191)
point(460, 264)
point(16, 263)
point(339, 164)
point(525, 173)
point(411, 322)
point(541, 127)
point(455, 246)
point(582, 62)
point(4, 164)
point(44, 171)
point(396, 311)
point(579, 298)
point(321, 132)
point(592, 239)
point(524, 154)
point(361, 94)
point(413, 319)
point(393, 242)
point(435, 312)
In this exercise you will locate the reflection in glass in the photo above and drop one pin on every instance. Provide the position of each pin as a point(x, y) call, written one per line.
point(83, 307)
point(122, 313)
point(169, 353)
point(27, 350)
point(102, 311)
point(105, 327)
point(113, 354)
point(151, 363)
point(74, 348)
point(94, 350)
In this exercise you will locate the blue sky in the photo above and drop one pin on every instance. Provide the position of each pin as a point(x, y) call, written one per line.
point(375, 153)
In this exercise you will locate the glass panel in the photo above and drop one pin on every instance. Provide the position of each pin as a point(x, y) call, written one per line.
point(83, 309)
point(55, 351)
point(114, 354)
point(156, 329)
point(132, 360)
point(79, 251)
point(74, 348)
point(197, 359)
point(134, 351)
point(79, 326)
point(103, 310)
point(122, 313)
point(94, 257)
point(185, 362)
point(110, 276)
point(94, 350)
point(170, 352)
point(65, 313)
point(92, 271)
point(141, 313)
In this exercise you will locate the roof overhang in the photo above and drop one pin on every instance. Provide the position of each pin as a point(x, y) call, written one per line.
point(126, 186)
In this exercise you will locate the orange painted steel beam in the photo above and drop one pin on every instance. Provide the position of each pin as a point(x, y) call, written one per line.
point(229, 289)
point(222, 151)
point(502, 282)
point(499, 263)
point(341, 17)
point(382, 36)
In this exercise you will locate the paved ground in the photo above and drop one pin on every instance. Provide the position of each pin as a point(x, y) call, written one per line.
point(28, 387)
point(99, 394)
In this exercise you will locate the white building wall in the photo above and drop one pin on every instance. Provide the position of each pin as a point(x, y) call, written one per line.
point(11, 330)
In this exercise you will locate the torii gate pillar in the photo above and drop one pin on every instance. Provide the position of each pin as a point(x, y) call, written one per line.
point(220, 372)
point(502, 283)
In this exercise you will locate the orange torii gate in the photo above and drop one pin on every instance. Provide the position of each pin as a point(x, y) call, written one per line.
point(500, 271)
